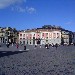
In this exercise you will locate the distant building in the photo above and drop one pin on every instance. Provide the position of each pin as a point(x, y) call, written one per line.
point(46, 34)
point(40, 36)
point(73, 37)
point(8, 34)
point(2, 35)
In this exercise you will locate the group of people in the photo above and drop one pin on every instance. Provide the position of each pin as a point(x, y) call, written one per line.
point(17, 45)
point(48, 45)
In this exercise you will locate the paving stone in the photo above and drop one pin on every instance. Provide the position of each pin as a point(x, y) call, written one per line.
point(39, 61)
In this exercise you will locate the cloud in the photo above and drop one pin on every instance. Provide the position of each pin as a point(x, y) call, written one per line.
point(7, 3)
point(18, 9)
point(24, 9)
point(16, 5)
point(69, 23)
point(30, 10)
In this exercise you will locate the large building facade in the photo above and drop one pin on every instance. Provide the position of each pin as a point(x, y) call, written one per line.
point(40, 36)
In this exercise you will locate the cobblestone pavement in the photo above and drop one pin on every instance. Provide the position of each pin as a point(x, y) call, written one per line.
point(37, 61)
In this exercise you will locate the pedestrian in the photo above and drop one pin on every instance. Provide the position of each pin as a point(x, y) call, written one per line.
point(56, 45)
point(40, 46)
point(24, 47)
point(17, 45)
point(8, 45)
point(12, 44)
point(74, 43)
point(35, 45)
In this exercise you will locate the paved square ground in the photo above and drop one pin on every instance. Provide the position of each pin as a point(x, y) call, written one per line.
point(37, 61)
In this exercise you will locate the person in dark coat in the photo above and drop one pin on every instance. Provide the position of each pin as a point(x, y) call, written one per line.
point(56, 45)
point(74, 43)
point(8, 45)
point(17, 45)
point(24, 47)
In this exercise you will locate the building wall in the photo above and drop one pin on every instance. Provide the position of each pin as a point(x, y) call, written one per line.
point(73, 40)
point(66, 37)
point(45, 37)
point(2, 35)
point(52, 37)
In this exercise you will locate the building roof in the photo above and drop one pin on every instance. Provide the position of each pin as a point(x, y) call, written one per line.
point(40, 30)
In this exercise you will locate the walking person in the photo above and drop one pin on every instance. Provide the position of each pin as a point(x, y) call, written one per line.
point(40, 46)
point(17, 45)
point(24, 47)
point(12, 44)
point(7, 45)
point(56, 45)
point(74, 43)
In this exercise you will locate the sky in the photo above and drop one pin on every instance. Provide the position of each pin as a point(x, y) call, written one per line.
point(28, 14)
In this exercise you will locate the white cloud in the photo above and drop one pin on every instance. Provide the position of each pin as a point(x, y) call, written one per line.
point(16, 6)
point(6, 3)
point(30, 10)
point(24, 10)
point(19, 9)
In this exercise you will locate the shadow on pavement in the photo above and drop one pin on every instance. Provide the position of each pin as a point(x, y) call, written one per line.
point(8, 53)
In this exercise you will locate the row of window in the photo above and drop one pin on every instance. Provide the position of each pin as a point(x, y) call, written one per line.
point(42, 37)
point(26, 35)
point(43, 34)
point(50, 36)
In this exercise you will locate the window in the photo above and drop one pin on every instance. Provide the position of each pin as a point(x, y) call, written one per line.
point(23, 35)
point(23, 38)
point(58, 35)
point(33, 38)
point(30, 42)
point(46, 37)
point(34, 34)
point(23, 42)
point(8, 33)
point(46, 41)
point(20, 34)
point(20, 38)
